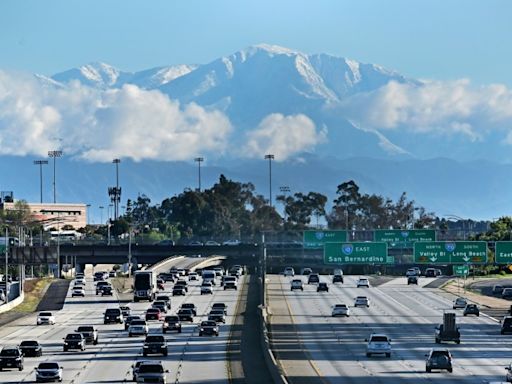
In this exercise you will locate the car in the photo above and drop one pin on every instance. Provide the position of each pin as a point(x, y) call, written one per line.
point(337, 279)
point(154, 344)
point(135, 368)
point(79, 281)
point(230, 284)
point(181, 283)
point(99, 286)
point(322, 287)
point(220, 306)
point(439, 358)
point(289, 271)
point(208, 327)
point(506, 325)
point(509, 373)
point(340, 310)
point(48, 371)
point(166, 277)
point(297, 284)
point(361, 301)
point(160, 304)
point(31, 348)
point(231, 242)
point(45, 318)
point(313, 278)
point(107, 291)
point(171, 323)
point(306, 271)
point(166, 299)
point(432, 272)
point(192, 276)
point(497, 289)
point(212, 243)
point(219, 271)
point(128, 320)
point(100, 276)
point(418, 271)
point(412, 280)
point(179, 290)
point(152, 372)
point(160, 284)
point(111, 273)
point(11, 357)
point(190, 306)
point(471, 309)
point(89, 332)
point(207, 288)
point(217, 315)
point(74, 341)
point(506, 293)
point(226, 279)
point(186, 315)
point(363, 282)
point(459, 303)
point(411, 272)
point(166, 243)
point(78, 291)
point(378, 344)
point(138, 327)
point(125, 310)
point(153, 314)
point(113, 315)
point(195, 243)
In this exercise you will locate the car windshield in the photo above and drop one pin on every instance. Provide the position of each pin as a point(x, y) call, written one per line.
point(45, 314)
point(172, 318)
point(29, 343)
point(138, 322)
point(340, 306)
point(113, 311)
point(379, 339)
point(163, 298)
point(361, 298)
point(48, 366)
point(188, 305)
point(151, 368)
point(85, 329)
point(74, 336)
point(9, 352)
point(154, 339)
point(153, 310)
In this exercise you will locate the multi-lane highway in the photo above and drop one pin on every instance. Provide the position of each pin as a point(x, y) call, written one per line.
point(191, 359)
point(314, 347)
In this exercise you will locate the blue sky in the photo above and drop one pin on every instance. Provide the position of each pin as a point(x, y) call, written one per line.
point(425, 39)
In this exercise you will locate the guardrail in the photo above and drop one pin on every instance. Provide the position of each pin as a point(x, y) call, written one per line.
point(270, 360)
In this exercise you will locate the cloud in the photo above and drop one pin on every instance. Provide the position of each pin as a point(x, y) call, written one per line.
point(282, 136)
point(98, 125)
point(443, 108)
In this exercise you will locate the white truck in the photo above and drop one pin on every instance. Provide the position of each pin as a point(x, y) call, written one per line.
point(144, 286)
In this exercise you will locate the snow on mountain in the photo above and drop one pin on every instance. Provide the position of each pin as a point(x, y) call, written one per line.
point(98, 75)
point(155, 77)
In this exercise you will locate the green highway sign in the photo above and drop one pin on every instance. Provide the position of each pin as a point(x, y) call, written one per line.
point(450, 252)
point(357, 253)
point(317, 239)
point(401, 238)
point(461, 270)
point(504, 252)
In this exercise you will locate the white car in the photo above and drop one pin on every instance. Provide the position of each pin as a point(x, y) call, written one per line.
point(340, 310)
point(378, 344)
point(363, 282)
point(207, 288)
point(138, 327)
point(45, 318)
point(459, 303)
point(297, 284)
point(289, 271)
point(192, 276)
point(361, 301)
point(231, 242)
point(48, 371)
point(78, 291)
point(411, 272)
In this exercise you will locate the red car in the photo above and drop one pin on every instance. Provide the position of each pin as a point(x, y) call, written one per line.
point(153, 314)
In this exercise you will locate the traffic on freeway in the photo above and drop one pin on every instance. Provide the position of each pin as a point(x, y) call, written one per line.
point(97, 339)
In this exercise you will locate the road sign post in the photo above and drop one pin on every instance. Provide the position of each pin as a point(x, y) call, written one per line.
point(450, 252)
point(317, 239)
point(357, 253)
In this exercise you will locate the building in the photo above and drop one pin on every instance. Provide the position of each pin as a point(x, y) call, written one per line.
point(54, 215)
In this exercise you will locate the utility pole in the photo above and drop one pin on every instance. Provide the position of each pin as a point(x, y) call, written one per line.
point(41, 163)
point(269, 157)
point(199, 160)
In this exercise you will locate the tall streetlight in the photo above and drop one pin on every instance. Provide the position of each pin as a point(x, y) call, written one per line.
point(54, 155)
point(199, 160)
point(115, 192)
point(269, 157)
point(41, 163)
point(284, 189)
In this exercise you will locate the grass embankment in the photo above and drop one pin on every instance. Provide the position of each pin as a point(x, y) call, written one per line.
point(122, 284)
point(34, 292)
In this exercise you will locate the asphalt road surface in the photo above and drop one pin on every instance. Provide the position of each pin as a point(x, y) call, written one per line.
point(313, 347)
point(191, 359)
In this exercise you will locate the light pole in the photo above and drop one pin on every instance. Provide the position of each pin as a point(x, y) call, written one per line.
point(54, 155)
point(284, 190)
point(199, 160)
point(41, 163)
point(6, 275)
point(269, 157)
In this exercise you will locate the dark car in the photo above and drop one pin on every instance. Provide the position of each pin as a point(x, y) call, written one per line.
point(128, 320)
point(506, 325)
point(412, 280)
point(154, 344)
point(135, 368)
point(74, 341)
point(217, 315)
point(322, 287)
point(471, 309)
point(153, 314)
point(181, 283)
point(171, 323)
point(107, 291)
point(11, 358)
point(439, 359)
point(506, 294)
point(186, 315)
point(126, 311)
point(222, 306)
point(31, 348)
point(178, 290)
point(166, 299)
point(113, 315)
point(497, 289)
point(208, 327)
point(190, 306)
point(313, 278)
point(89, 332)
point(337, 279)
point(100, 285)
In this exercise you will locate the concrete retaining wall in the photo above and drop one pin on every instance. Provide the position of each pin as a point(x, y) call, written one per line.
point(270, 360)
point(11, 304)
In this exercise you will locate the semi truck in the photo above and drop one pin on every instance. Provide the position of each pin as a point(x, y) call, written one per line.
point(448, 331)
point(144, 285)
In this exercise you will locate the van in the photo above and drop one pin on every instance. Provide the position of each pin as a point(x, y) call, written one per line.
point(208, 275)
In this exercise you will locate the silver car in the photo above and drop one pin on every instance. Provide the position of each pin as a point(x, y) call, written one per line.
point(152, 372)
point(48, 371)
point(378, 344)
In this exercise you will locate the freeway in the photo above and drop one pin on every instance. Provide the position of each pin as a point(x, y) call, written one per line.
point(313, 347)
point(192, 359)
